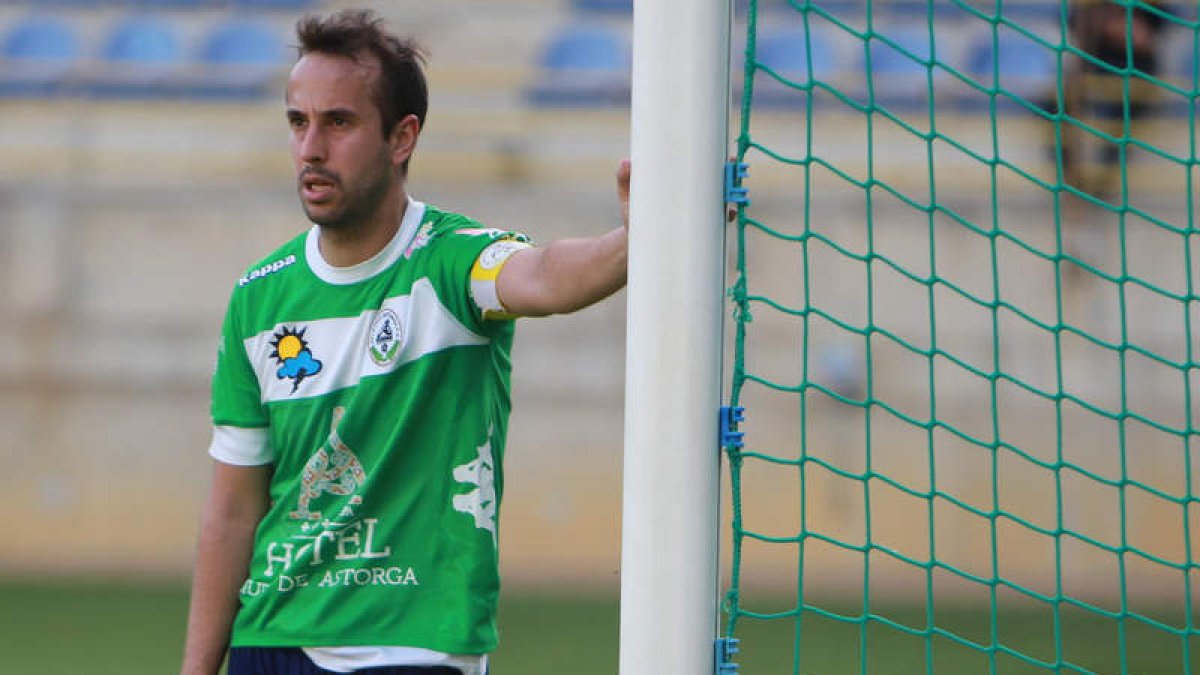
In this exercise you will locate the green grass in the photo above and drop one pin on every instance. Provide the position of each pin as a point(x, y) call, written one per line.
point(56, 628)
point(839, 645)
point(98, 628)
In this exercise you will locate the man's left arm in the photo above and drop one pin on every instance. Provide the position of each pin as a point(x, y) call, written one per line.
point(568, 274)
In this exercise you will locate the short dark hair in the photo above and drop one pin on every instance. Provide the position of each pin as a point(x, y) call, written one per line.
point(400, 89)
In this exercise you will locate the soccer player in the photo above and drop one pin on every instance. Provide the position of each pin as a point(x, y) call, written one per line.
point(1101, 90)
point(361, 394)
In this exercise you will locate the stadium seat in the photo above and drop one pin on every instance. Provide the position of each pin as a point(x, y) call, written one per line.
point(1025, 67)
point(172, 4)
point(617, 6)
point(40, 56)
point(45, 4)
point(583, 65)
point(785, 52)
point(901, 51)
point(900, 58)
point(238, 59)
point(139, 57)
point(1183, 63)
point(1031, 11)
point(142, 40)
point(244, 42)
point(276, 4)
point(922, 9)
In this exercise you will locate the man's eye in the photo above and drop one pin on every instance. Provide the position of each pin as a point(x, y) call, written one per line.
point(296, 122)
point(340, 121)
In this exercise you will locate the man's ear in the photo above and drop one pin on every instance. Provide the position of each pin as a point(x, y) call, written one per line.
point(403, 139)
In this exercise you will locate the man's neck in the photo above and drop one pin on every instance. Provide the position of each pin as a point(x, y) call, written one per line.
point(351, 246)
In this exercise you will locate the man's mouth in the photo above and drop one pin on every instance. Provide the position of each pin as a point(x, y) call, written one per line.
point(317, 188)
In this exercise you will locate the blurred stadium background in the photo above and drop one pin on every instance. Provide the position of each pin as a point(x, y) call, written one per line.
point(144, 165)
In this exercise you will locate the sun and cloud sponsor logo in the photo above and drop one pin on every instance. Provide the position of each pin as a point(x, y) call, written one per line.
point(385, 337)
point(291, 351)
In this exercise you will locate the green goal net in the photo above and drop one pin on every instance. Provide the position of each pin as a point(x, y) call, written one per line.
point(966, 326)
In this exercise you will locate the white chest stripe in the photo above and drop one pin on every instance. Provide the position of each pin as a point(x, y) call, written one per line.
point(312, 358)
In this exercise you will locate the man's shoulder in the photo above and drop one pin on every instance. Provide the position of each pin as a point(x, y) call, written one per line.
point(448, 225)
point(441, 221)
point(288, 255)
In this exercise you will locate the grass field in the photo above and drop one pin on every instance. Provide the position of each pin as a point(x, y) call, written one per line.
point(119, 629)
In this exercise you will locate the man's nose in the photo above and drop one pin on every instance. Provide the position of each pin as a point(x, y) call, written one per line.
point(313, 148)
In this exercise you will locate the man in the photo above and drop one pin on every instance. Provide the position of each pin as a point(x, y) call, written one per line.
point(361, 396)
point(1097, 90)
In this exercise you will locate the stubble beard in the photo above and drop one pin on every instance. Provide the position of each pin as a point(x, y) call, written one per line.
point(359, 203)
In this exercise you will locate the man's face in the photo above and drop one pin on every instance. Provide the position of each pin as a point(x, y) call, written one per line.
point(344, 164)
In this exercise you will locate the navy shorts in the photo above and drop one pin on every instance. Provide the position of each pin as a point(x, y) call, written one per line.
point(293, 661)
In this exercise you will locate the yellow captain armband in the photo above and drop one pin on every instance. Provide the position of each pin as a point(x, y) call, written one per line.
point(484, 273)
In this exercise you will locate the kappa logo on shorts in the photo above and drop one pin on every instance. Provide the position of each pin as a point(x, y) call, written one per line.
point(385, 338)
point(295, 359)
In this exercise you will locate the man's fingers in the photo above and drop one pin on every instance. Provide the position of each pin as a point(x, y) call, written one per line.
point(623, 171)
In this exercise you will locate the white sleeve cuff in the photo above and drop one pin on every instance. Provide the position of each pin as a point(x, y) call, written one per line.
point(241, 447)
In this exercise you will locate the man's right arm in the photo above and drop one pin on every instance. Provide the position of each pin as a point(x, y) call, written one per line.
point(237, 501)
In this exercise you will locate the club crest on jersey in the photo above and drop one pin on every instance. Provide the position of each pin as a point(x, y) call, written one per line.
point(387, 333)
point(295, 359)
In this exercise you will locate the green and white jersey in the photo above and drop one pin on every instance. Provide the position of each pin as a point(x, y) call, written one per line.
point(380, 393)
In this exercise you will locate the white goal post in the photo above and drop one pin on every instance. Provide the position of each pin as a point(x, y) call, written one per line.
point(679, 146)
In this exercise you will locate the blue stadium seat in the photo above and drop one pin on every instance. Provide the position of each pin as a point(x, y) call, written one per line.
point(276, 4)
point(841, 6)
point(42, 38)
point(921, 9)
point(46, 4)
point(901, 51)
point(1033, 10)
point(41, 54)
point(244, 42)
point(238, 59)
point(785, 52)
point(174, 4)
point(139, 56)
point(1025, 67)
point(586, 47)
point(899, 68)
point(583, 65)
point(1183, 65)
point(143, 40)
point(619, 6)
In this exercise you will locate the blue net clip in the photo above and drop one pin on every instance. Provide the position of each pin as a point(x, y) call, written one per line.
point(725, 648)
point(734, 192)
point(729, 434)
